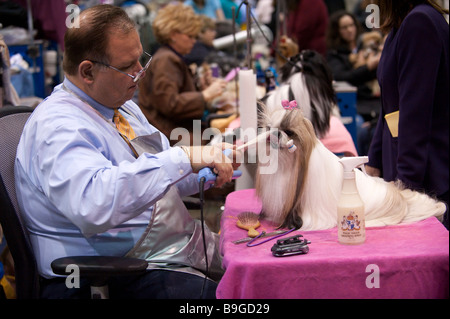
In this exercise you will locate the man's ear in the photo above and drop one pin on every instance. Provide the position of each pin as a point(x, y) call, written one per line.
point(86, 71)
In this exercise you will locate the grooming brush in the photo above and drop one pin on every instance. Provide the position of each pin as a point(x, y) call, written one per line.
point(249, 221)
point(260, 137)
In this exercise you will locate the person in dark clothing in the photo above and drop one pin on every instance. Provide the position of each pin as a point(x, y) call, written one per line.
point(350, 65)
point(334, 5)
point(342, 43)
point(411, 141)
point(306, 24)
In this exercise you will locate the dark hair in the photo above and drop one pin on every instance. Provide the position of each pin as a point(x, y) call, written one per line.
point(292, 5)
point(319, 77)
point(393, 12)
point(334, 39)
point(88, 38)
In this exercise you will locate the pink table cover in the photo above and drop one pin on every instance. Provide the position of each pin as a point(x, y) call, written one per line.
point(410, 260)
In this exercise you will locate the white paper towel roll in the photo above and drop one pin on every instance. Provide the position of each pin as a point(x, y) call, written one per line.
point(248, 114)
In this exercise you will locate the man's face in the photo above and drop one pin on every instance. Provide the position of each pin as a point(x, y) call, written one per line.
point(112, 88)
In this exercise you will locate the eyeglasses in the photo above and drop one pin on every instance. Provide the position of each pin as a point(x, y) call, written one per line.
point(136, 77)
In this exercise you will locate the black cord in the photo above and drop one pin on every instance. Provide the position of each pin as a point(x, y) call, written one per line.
point(239, 8)
point(202, 219)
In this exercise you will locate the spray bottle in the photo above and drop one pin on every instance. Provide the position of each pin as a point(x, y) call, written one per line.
point(350, 208)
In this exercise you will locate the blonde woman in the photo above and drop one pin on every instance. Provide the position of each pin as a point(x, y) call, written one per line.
point(169, 96)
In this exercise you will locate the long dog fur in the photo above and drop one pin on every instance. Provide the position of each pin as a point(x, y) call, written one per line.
point(305, 189)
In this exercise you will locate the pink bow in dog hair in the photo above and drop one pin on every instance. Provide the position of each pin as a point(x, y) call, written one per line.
point(289, 105)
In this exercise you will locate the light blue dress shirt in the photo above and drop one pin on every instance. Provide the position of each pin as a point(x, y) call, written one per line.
point(79, 187)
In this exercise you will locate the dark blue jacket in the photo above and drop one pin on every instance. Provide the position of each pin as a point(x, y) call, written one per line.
point(414, 77)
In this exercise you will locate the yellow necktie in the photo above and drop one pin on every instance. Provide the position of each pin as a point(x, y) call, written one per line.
point(123, 126)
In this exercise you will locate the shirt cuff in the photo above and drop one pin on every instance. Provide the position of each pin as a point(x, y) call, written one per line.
point(176, 162)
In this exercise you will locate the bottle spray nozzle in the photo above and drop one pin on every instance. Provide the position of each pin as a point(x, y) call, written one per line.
point(350, 163)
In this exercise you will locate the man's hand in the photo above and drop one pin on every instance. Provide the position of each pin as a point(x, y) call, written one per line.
point(213, 157)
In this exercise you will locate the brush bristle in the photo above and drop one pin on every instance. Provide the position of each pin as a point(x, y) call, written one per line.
point(248, 218)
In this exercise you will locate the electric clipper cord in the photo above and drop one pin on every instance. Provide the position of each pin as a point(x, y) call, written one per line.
point(202, 181)
point(207, 176)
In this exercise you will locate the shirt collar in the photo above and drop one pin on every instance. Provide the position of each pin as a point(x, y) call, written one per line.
point(103, 110)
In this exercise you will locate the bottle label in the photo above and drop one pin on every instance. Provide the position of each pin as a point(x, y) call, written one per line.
point(350, 222)
point(351, 228)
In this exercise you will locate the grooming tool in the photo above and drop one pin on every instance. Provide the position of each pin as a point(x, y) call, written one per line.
point(293, 245)
point(262, 235)
point(251, 243)
point(210, 177)
point(249, 221)
point(260, 137)
point(232, 74)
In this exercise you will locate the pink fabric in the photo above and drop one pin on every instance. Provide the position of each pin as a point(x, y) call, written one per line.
point(338, 139)
point(413, 261)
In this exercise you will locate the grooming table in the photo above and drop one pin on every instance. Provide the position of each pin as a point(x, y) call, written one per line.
point(395, 262)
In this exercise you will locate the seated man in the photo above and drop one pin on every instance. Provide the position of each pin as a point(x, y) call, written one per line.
point(88, 184)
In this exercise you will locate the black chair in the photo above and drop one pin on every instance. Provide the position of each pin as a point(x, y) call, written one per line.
point(96, 268)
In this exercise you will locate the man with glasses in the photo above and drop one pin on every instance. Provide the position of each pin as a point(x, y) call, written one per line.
point(85, 189)
point(138, 75)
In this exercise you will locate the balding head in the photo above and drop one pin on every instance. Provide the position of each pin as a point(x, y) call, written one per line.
point(90, 39)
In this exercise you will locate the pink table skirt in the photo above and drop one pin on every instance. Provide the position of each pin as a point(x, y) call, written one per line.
point(402, 261)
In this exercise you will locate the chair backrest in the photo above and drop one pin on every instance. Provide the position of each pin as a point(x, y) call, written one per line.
point(12, 121)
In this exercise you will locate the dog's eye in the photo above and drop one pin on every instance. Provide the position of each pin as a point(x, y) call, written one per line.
point(289, 133)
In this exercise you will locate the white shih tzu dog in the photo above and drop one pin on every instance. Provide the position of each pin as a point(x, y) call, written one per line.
point(304, 190)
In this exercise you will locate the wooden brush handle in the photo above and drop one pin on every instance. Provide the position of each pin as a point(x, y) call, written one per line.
point(252, 232)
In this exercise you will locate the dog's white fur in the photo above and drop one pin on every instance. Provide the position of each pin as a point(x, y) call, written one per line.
point(307, 183)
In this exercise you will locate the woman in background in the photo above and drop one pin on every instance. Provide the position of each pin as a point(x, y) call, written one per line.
point(169, 95)
point(343, 36)
point(204, 44)
point(411, 141)
point(347, 64)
